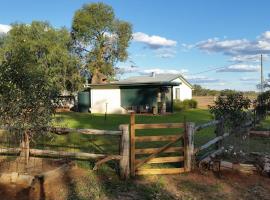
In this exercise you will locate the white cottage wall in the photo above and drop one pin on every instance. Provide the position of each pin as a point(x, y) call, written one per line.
point(185, 90)
point(110, 98)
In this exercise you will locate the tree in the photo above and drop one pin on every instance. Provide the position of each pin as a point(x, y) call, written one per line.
point(32, 58)
point(231, 107)
point(51, 50)
point(200, 91)
point(100, 39)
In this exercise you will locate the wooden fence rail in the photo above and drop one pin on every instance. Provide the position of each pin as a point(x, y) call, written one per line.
point(217, 140)
point(208, 124)
point(124, 151)
point(211, 142)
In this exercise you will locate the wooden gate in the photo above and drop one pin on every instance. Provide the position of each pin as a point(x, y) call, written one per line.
point(186, 149)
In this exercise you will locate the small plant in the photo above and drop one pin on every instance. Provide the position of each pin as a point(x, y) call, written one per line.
point(190, 103)
point(178, 105)
point(184, 105)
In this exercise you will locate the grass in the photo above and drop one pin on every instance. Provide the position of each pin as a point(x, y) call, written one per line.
point(110, 144)
point(105, 184)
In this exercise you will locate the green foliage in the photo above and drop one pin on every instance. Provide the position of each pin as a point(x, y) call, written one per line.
point(48, 48)
point(228, 92)
point(262, 104)
point(190, 103)
point(184, 105)
point(35, 65)
point(100, 39)
point(178, 105)
point(231, 107)
point(200, 91)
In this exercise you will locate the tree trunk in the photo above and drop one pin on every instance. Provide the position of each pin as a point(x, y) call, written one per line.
point(98, 78)
point(25, 146)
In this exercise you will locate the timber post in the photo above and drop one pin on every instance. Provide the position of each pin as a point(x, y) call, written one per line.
point(220, 132)
point(124, 163)
point(189, 145)
point(132, 144)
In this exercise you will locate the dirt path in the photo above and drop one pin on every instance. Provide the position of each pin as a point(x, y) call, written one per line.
point(83, 184)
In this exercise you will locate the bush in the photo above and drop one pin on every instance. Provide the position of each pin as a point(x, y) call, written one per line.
point(190, 103)
point(184, 105)
point(178, 105)
point(232, 108)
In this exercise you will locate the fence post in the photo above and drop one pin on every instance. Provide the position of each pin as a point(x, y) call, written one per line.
point(132, 144)
point(220, 132)
point(189, 145)
point(124, 163)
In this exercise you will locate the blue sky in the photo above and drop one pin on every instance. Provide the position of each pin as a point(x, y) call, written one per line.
point(176, 35)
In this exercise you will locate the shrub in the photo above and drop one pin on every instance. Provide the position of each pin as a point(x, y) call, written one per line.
point(178, 105)
point(184, 105)
point(190, 103)
point(232, 108)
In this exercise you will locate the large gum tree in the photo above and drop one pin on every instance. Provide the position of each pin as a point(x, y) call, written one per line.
point(34, 61)
point(100, 39)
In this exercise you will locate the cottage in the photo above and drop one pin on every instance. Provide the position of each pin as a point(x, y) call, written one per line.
point(141, 94)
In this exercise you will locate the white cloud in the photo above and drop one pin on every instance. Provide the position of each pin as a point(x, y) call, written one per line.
point(163, 71)
point(248, 58)
point(126, 69)
point(136, 69)
point(202, 79)
point(4, 28)
point(230, 47)
point(186, 47)
point(240, 68)
point(166, 53)
point(249, 79)
point(237, 47)
point(153, 41)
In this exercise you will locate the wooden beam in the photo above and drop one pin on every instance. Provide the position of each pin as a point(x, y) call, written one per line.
point(171, 159)
point(57, 154)
point(158, 152)
point(64, 131)
point(9, 151)
point(160, 171)
point(211, 142)
point(189, 145)
point(155, 126)
point(202, 126)
point(264, 134)
point(74, 155)
point(157, 138)
point(152, 150)
point(104, 160)
point(132, 144)
point(124, 163)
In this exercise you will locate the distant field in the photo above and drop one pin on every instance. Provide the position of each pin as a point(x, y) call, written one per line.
point(204, 101)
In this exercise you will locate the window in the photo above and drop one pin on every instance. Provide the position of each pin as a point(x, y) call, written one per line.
point(177, 93)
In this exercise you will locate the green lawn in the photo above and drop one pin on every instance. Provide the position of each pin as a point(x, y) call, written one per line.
point(112, 122)
point(97, 121)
